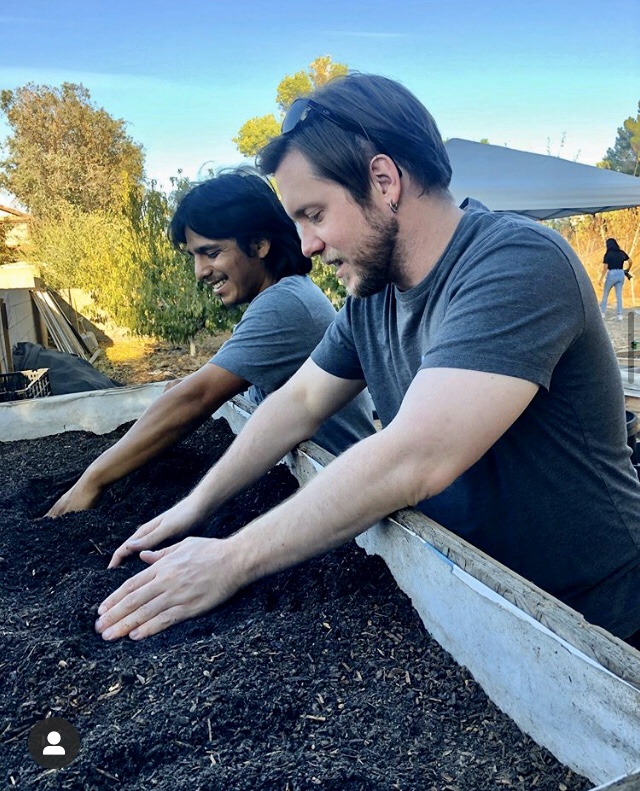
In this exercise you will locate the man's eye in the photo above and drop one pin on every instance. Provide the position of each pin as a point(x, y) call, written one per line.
point(314, 217)
point(213, 254)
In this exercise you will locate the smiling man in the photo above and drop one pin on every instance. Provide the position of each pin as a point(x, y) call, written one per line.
point(481, 342)
point(247, 250)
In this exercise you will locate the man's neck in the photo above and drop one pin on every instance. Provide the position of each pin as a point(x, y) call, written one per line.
point(427, 224)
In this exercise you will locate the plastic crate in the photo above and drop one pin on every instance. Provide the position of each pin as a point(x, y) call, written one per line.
point(25, 384)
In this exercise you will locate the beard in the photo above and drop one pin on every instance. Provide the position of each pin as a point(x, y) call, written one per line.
point(378, 262)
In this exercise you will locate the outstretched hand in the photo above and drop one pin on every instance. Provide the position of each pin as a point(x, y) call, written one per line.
point(79, 497)
point(174, 523)
point(182, 581)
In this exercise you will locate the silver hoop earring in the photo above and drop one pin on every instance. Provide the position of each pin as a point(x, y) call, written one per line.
point(393, 205)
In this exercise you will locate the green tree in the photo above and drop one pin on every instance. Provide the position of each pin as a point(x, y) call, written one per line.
point(625, 154)
point(170, 304)
point(65, 150)
point(90, 251)
point(123, 258)
point(324, 276)
point(256, 132)
point(7, 254)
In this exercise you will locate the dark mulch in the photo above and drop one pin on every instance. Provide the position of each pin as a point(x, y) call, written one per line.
point(320, 677)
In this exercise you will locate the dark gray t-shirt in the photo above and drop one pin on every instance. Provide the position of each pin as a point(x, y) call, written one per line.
point(276, 334)
point(556, 498)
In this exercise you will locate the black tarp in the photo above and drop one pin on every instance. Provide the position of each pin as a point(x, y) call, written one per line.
point(67, 372)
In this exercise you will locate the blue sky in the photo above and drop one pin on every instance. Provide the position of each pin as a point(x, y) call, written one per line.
point(551, 77)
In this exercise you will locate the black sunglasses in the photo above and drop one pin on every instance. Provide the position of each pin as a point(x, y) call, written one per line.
point(301, 108)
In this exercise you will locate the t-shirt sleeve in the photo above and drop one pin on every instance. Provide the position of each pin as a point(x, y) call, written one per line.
point(336, 353)
point(511, 320)
point(270, 342)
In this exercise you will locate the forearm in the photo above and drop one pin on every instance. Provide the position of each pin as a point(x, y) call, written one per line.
point(197, 574)
point(361, 486)
point(163, 424)
point(279, 424)
point(416, 457)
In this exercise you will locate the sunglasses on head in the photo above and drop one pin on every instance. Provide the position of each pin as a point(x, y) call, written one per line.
point(300, 109)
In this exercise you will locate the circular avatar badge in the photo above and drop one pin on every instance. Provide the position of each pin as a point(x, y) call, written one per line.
point(53, 743)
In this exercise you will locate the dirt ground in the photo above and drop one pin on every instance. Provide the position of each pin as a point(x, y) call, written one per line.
point(623, 333)
point(319, 677)
point(135, 360)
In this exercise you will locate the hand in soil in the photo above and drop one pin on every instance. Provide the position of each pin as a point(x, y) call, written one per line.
point(172, 524)
point(178, 585)
point(80, 497)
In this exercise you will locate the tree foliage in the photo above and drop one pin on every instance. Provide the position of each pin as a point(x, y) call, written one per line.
point(171, 305)
point(125, 261)
point(96, 225)
point(625, 154)
point(65, 150)
point(87, 250)
point(7, 254)
point(256, 132)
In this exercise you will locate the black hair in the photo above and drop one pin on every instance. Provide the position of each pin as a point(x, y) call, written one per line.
point(392, 121)
point(237, 203)
point(612, 244)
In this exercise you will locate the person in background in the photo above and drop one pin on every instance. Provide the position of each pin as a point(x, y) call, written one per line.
point(501, 407)
point(247, 250)
point(613, 274)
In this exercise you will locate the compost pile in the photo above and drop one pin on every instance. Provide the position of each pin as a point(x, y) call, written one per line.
point(321, 677)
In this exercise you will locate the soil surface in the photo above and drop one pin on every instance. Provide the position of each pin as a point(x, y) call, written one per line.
point(319, 677)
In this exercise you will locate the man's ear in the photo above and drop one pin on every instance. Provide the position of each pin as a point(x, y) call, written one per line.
point(262, 247)
point(385, 177)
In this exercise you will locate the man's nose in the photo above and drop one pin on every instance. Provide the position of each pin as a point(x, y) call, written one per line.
point(201, 266)
point(310, 243)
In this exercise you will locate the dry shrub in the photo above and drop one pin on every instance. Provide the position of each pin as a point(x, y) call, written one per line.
point(587, 235)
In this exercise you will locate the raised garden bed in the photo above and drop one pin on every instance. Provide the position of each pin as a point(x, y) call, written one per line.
point(320, 677)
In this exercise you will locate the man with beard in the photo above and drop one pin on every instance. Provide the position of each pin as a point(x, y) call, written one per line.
point(246, 249)
point(481, 342)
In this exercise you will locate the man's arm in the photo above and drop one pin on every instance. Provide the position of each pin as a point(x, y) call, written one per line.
point(176, 413)
point(448, 420)
point(287, 417)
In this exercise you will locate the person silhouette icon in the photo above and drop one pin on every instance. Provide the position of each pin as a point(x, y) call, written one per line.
point(46, 740)
point(54, 747)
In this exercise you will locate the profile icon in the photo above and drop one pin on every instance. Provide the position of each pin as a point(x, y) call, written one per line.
point(54, 742)
point(54, 747)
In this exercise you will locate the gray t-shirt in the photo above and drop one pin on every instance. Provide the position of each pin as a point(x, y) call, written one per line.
point(276, 334)
point(556, 498)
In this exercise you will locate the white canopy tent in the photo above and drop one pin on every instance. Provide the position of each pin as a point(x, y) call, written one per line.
point(539, 186)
